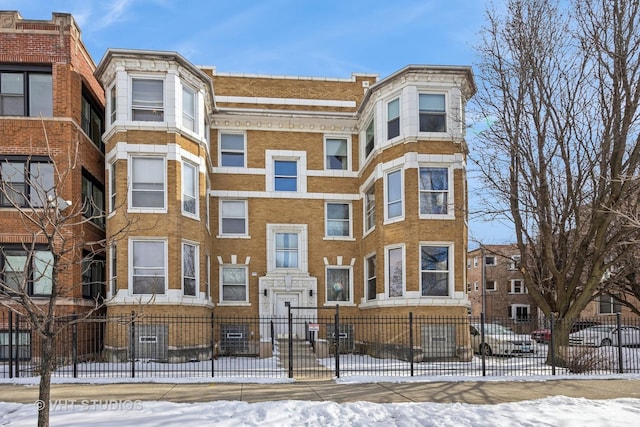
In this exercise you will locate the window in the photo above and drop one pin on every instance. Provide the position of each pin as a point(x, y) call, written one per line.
point(91, 118)
point(285, 175)
point(476, 286)
point(432, 113)
point(394, 194)
point(147, 100)
point(393, 118)
point(235, 283)
point(608, 304)
point(189, 269)
point(286, 250)
point(26, 182)
point(190, 183)
point(338, 220)
point(395, 271)
point(370, 264)
point(338, 284)
point(92, 199)
point(93, 278)
point(519, 312)
point(514, 264)
point(189, 109)
point(148, 187)
point(468, 287)
point(434, 271)
point(233, 217)
point(208, 284)
point(475, 261)
point(434, 191)
point(21, 345)
point(490, 260)
point(113, 270)
point(370, 208)
point(490, 285)
point(26, 93)
point(369, 138)
point(114, 104)
point(112, 187)
point(22, 271)
point(232, 150)
point(336, 157)
point(148, 261)
point(517, 286)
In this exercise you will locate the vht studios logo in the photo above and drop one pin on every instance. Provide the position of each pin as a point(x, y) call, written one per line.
point(90, 405)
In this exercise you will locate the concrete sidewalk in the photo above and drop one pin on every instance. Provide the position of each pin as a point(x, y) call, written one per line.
point(489, 392)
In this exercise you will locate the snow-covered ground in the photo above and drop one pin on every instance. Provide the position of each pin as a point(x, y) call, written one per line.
point(552, 411)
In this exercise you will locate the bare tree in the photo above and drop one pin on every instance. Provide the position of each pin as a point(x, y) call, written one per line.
point(559, 85)
point(53, 243)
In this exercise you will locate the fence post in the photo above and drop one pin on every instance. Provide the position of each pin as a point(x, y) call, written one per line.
point(74, 344)
point(273, 342)
point(10, 321)
point(16, 344)
point(132, 341)
point(337, 337)
point(618, 325)
point(411, 340)
point(214, 355)
point(482, 344)
point(290, 343)
point(551, 347)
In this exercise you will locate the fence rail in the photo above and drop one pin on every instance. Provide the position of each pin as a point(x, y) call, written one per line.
point(326, 345)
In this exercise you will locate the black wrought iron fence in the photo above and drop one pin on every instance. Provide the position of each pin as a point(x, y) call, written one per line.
point(145, 346)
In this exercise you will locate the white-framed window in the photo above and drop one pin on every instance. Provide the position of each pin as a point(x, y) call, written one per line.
point(517, 287)
point(369, 208)
point(393, 195)
point(338, 219)
point(476, 286)
point(468, 287)
point(336, 153)
point(395, 271)
point(435, 270)
point(147, 99)
point(113, 104)
point(339, 284)
point(433, 117)
point(189, 109)
point(112, 187)
point(608, 304)
point(475, 261)
point(393, 118)
point(207, 203)
point(285, 175)
point(433, 186)
point(370, 277)
point(207, 286)
point(113, 269)
point(190, 263)
point(235, 283)
point(519, 312)
point(149, 186)
point(233, 217)
point(514, 263)
point(490, 285)
point(232, 150)
point(369, 138)
point(490, 260)
point(190, 188)
point(287, 247)
point(148, 261)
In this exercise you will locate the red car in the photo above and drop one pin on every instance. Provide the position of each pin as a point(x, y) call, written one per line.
point(544, 335)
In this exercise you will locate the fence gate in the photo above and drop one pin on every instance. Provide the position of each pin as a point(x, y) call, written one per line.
point(310, 347)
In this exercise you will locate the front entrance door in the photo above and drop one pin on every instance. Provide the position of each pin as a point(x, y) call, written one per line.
point(282, 314)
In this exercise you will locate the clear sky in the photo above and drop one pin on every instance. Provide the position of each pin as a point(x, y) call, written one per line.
point(328, 38)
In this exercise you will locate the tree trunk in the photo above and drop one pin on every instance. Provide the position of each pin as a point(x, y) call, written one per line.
point(47, 361)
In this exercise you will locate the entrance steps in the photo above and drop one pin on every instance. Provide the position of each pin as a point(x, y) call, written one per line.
point(305, 362)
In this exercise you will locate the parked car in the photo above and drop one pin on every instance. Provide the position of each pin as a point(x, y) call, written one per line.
point(544, 335)
point(603, 335)
point(500, 340)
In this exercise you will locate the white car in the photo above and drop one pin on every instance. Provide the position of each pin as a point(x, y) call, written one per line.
point(603, 335)
point(500, 340)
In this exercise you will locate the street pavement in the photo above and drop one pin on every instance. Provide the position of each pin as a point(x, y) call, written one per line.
point(473, 392)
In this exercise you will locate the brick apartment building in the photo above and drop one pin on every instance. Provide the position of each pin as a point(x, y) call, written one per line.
point(247, 192)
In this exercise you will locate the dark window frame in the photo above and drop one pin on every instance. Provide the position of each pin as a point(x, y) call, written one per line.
point(29, 192)
point(30, 268)
point(26, 71)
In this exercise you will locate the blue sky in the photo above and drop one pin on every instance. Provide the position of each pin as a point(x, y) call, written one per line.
point(329, 38)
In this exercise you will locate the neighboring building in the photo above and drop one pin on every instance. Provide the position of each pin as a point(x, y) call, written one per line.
point(505, 297)
point(47, 85)
point(246, 192)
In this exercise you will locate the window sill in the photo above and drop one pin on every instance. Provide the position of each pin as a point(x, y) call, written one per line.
point(340, 303)
point(437, 216)
point(341, 238)
point(191, 216)
point(234, 304)
point(233, 236)
point(393, 220)
point(147, 211)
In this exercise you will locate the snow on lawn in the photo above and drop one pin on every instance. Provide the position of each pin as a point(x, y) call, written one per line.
point(552, 411)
